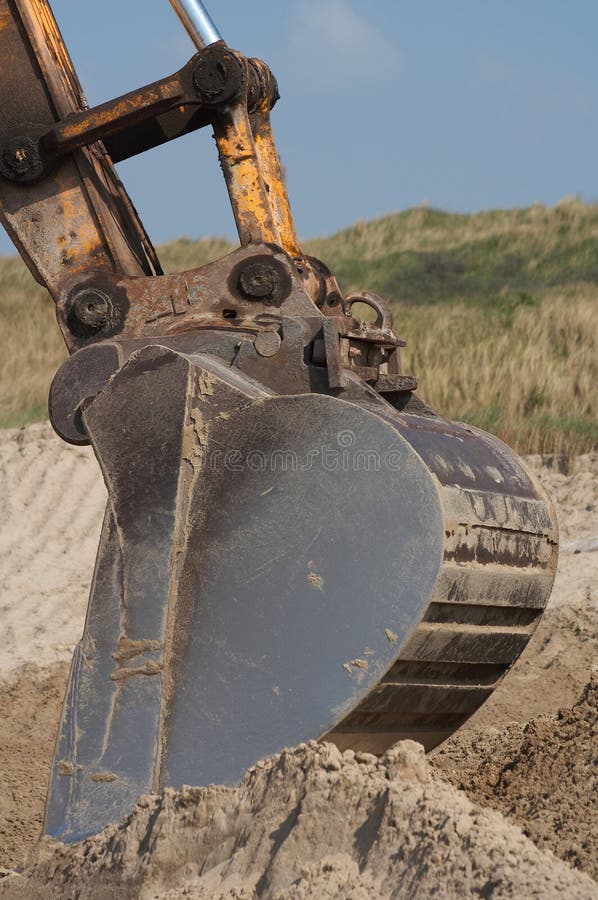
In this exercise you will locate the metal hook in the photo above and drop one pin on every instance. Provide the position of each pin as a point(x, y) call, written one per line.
point(380, 307)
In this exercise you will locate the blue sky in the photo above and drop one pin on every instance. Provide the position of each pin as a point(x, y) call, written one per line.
point(461, 104)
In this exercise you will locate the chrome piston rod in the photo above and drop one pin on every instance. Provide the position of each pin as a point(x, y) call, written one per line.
point(197, 21)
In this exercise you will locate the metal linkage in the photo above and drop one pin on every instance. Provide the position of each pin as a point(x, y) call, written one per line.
point(216, 77)
point(77, 216)
point(94, 280)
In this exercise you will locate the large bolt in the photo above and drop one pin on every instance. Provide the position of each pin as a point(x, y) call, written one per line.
point(92, 309)
point(210, 79)
point(21, 160)
point(91, 313)
point(218, 75)
point(258, 281)
point(267, 343)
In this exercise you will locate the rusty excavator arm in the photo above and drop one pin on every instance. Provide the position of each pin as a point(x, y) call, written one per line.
point(295, 546)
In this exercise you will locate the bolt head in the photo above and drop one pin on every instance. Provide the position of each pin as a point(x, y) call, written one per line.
point(267, 343)
point(258, 281)
point(92, 308)
point(20, 159)
point(218, 76)
point(92, 313)
point(210, 79)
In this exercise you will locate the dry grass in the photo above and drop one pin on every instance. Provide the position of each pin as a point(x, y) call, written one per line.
point(539, 228)
point(32, 346)
point(503, 333)
point(531, 380)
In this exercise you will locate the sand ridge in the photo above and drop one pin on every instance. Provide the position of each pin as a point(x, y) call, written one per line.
point(53, 501)
point(310, 822)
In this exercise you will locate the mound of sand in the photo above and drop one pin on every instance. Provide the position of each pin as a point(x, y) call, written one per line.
point(311, 822)
point(29, 711)
point(542, 775)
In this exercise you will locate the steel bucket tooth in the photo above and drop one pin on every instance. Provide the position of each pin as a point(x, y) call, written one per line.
point(262, 563)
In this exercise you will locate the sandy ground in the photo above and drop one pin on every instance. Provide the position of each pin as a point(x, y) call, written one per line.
point(504, 809)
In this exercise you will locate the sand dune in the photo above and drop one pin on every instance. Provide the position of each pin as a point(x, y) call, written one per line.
point(53, 499)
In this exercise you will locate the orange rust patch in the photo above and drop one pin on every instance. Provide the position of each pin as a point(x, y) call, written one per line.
point(316, 581)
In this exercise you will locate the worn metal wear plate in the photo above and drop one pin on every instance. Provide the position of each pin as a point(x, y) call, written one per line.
point(322, 536)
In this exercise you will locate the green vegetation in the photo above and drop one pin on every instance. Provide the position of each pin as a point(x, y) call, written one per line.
point(425, 256)
point(499, 310)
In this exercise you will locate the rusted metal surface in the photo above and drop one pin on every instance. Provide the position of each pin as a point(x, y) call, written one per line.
point(253, 288)
point(80, 216)
point(42, 163)
point(225, 84)
point(87, 126)
point(215, 295)
point(270, 163)
point(191, 87)
point(295, 545)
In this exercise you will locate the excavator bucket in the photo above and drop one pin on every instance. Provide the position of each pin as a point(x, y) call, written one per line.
point(277, 568)
point(295, 546)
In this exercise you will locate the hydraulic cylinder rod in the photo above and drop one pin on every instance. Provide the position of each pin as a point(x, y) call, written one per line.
point(197, 21)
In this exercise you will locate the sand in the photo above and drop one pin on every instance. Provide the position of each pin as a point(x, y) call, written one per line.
point(53, 499)
point(29, 710)
point(311, 822)
point(542, 775)
point(504, 809)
